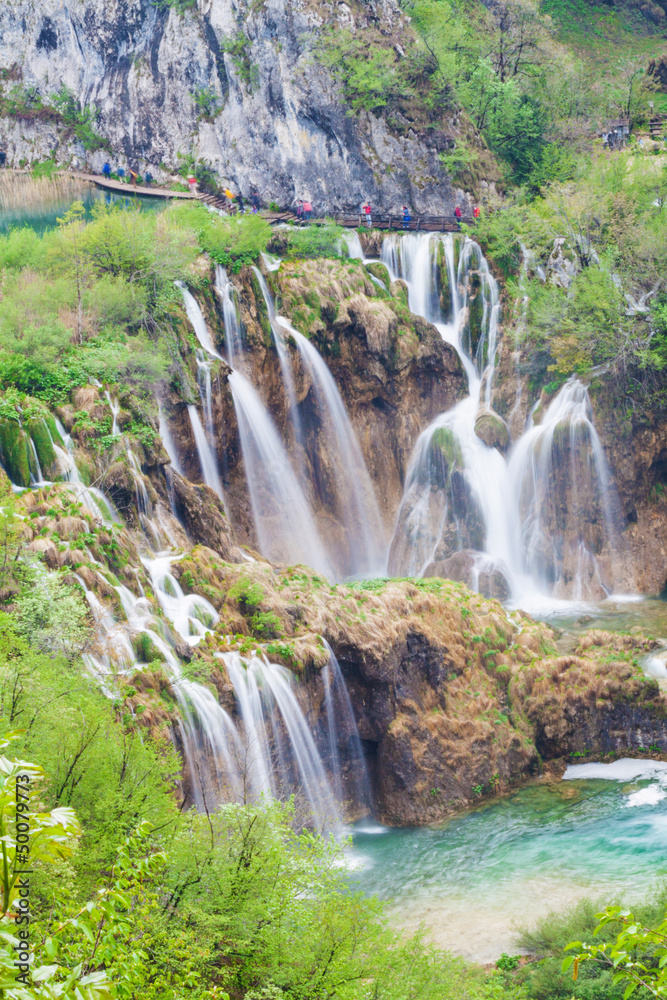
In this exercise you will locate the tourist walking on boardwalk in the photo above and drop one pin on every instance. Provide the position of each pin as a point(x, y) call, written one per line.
point(406, 216)
point(458, 213)
point(299, 210)
point(106, 170)
point(475, 212)
point(368, 214)
point(254, 201)
point(307, 210)
point(240, 203)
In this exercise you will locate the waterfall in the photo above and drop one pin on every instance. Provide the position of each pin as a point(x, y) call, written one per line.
point(349, 484)
point(279, 752)
point(283, 520)
point(233, 340)
point(115, 410)
point(564, 498)
point(342, 723)
point(168, 440)
point(197, 321)
point(283, 358)
point(94, 497)
point(206, 454)
point(38, 477)
point(205, 390)
point(284, 524)
point(534, 526)
point(354, 248)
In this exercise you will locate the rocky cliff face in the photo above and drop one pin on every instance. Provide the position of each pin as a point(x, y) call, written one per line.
point(241, 87)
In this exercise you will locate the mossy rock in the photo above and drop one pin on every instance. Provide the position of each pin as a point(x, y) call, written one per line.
point(475, 329)
point(445, 288)
point(146, 650)
point(55, 433)
point(41, 439)
point(492, 430)
point(380, 272)
point(446, 441)
point(399, 290)
point(15, 452)
point(458, 242)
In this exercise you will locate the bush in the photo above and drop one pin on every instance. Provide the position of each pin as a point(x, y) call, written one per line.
point(317, 241)
point(233, 242)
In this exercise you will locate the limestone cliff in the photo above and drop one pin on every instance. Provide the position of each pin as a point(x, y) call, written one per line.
point(243, 88)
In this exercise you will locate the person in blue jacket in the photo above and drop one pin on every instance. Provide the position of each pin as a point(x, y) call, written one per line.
point(106, 170)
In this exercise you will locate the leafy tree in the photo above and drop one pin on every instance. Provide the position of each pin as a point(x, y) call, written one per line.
point(69, 256)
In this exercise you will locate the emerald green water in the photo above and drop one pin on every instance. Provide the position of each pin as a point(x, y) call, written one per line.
point(474, 881)
point(39, 206)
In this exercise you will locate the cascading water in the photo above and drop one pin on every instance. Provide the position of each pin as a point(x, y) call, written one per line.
point(233, 339)
point(348, 484)
point(205, 453)
point(168, 440)
point(278, 751)
point(91, 495)
point(465, 509)
point(561, 488)
point(342, 728)
point(283, 357)
point(283, 520)
point(284, 524)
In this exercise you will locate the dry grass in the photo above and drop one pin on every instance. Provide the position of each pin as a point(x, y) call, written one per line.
point(22, 190)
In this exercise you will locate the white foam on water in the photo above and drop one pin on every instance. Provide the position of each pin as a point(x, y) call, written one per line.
point(625, 769)
point(646, 796)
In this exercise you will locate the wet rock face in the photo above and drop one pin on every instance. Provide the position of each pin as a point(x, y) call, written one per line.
point(267, 116)
point(637, 457)
point(467, 567)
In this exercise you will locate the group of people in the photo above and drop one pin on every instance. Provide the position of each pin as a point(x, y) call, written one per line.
point(134, 175)
point(237, 201)
point(304, 210)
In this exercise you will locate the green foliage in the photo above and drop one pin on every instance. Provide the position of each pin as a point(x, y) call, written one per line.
point(507, 963)
point(232, 242)
point(317, 241)
point(81, 119)
point(206, 102)
point(238, 47)
point(248, 594)
point(52, 616)
point(266, 625)
point(180, 6)
point(636, 954)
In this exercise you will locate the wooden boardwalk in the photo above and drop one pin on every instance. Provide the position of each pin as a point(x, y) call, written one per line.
point(420, 223)
point(123, 188)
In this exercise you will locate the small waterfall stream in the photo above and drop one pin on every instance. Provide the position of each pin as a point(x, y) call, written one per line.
point(350, 485)
point(205, 453)
point(521, 522)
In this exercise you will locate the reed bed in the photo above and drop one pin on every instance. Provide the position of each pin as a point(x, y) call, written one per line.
point(20, 190)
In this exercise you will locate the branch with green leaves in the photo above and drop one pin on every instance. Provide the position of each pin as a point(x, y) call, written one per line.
point(638, 955)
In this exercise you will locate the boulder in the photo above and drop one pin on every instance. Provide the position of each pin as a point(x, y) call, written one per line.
point(492, 430)
point(470, 568)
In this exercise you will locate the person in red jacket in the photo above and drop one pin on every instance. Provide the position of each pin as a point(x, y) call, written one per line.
point(368, 214)
point(458, 213)
point(475, 212)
